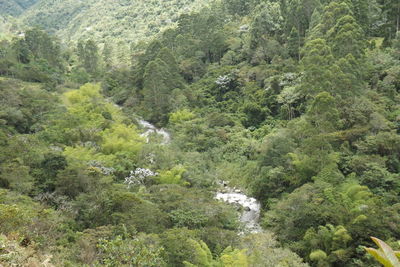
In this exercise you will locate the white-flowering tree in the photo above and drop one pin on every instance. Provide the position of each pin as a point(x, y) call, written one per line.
point(138, 176)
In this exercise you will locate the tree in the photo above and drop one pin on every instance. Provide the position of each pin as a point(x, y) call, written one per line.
point(150, 54)
point(125, 251)
point(107, 55)
point(234, 257)
point(294, 43)
point(159, 81)
point(346, 37)
point(317, 64)
point(328, 244)
point(298, 14)
point(391, 14)
point(88, 54)
point(165, 54)
point(201, 256)
point(266, 23)
point(22, 51)
point(237, 7)
point(42, 45)
point(262, 249)
point(156, 91)
point(323, 113)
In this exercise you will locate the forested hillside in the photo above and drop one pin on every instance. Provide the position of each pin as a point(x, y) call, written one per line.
point(108, 21)
point(292, 102)
point(15, 7)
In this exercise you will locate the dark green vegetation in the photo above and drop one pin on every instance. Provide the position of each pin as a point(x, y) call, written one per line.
point(296, 102)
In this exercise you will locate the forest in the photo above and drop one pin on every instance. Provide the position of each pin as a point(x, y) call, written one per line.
point(121, 121)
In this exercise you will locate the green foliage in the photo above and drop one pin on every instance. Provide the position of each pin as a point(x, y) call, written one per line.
point(332, 243)
point(172, 176)
point(21, 217)
point(106, 21)
point(177, 246)
point(294, 102)
point(181, 116)
point(267, 22)
point(35, 57)
point(358, 210)
point(24, 107)
point(182, 205)
point(159, 80)
point(128, 252)
point(88, 54)
point(319, 256)
point(201, 254)
point(15, 7)
point(121, 139)
point(323, 113)
point(116, 205)
point(13, 253)
point(262, 249)
point(233, 257)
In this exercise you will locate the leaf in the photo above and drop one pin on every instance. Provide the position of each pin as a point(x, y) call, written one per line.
point(385, 254)
point(378, 255)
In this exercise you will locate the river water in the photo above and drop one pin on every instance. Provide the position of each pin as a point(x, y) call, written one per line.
point(150, 129)
point(250, 207)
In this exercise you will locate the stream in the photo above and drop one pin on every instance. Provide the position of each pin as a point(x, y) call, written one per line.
point(150, 129)
point(250, 207)
point(250, 215)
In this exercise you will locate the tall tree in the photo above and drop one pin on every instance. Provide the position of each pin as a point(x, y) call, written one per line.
point(88, 54)
point(107, 55)
point(158, 84)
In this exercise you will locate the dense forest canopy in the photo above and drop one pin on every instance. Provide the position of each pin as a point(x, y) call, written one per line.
point(120, 121)
point(15, 7)
point(120, 22)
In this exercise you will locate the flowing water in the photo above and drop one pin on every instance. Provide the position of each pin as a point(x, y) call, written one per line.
point(150, 129)
point(250, 215)
point(249, 206)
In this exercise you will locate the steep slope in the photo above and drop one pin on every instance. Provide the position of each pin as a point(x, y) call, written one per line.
point(8, 27)
point(107, 20)
point(15, 7)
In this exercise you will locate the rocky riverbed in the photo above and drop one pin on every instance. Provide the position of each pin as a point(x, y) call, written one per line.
point(250, 207)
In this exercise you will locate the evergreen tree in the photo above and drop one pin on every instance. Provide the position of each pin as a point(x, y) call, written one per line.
point(317, 64)
point(166, 55)
point(391, 15)
point(89, 57)
point(22, 51)
point(323, 113)
point(107, 55)
point(266, 23)
point(294, 43)
point(157, 88)
point(346, 37)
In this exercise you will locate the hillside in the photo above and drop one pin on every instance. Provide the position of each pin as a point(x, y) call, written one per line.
point(254, 133)
point(108, 20)
point(15, 7)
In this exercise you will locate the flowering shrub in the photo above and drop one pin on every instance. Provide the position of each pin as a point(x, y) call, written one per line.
point(98, 166)
point(138, 176)
point(224, 81)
